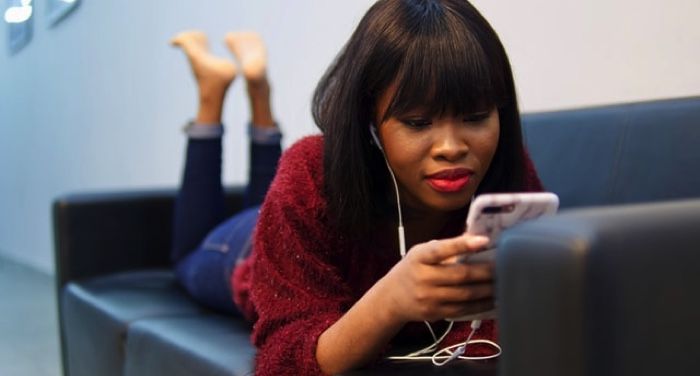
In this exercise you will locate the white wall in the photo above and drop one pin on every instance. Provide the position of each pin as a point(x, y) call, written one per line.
point(97, 102)
point(573, 53)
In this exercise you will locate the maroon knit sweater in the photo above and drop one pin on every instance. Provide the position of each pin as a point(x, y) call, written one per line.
point(303, 275)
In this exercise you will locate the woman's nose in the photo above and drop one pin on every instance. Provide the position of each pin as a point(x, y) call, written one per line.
point(449, 142)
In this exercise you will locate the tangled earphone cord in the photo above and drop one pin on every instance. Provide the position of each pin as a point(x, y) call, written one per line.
point(453, 352)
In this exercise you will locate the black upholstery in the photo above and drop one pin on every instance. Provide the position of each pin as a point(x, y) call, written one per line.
point(661, 155)
point(194, 345)
point(574, 153)
point(100, 311)
point(602, 291)
point(567, 284)
point(130, 229)
point(97, 235)
point(628, 153)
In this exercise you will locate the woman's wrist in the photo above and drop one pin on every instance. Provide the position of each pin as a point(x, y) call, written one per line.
point(369, 325)
point(387, 309)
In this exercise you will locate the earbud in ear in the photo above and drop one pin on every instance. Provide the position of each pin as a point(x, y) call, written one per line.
point(373, 132)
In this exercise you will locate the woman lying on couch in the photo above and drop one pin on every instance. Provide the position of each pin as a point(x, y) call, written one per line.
point(324, 278)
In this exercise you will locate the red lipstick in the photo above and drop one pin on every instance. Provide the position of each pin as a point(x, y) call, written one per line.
point(449, 181)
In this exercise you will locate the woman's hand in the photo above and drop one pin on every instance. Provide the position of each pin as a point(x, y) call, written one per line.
point(430, 284)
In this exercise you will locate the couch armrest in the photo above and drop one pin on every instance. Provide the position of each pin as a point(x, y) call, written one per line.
point(101, 233)
point(602, 291)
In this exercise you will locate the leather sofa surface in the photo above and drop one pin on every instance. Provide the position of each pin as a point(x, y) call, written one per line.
point(194, 345)
point(122, 313)
point(100, 311)
point(629, 153)
point(602, 291)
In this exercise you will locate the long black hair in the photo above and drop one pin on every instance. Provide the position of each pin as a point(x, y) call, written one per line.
point(444, 57)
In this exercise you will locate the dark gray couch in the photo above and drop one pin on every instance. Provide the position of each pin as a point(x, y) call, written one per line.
point(600, 290)
point(612, 288)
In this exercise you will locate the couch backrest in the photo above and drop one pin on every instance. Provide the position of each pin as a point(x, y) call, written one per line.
point(639, 152)
point(608, 291)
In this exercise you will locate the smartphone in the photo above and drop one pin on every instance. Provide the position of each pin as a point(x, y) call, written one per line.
point(490, 214)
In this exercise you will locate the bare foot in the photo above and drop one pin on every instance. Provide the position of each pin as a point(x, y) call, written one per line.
point(213, 74)
point(249, 49)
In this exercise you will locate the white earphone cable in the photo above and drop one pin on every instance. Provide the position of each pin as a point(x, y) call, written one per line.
point(402, 235)
point(457, 351)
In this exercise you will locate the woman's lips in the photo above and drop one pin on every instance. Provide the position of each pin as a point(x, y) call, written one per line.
point(450, 180)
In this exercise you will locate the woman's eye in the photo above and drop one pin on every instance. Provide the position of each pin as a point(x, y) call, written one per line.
point(416, 123)
point(476, 117)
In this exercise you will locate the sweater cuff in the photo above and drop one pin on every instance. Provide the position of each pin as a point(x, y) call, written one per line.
point(200, 131)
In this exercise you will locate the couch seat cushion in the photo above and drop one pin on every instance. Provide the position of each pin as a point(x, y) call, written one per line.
point(203, 345)
point(97, 312)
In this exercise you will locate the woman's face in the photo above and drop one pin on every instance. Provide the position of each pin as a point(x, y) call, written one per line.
point(439, 161)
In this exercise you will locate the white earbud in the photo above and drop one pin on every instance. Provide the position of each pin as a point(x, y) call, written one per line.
point(373, 132)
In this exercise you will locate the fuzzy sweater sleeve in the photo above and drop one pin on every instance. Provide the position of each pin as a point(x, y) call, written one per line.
point(296, 287)
point(532, 182)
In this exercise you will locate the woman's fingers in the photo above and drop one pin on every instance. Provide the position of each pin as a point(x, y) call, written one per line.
point(438, 251)
point(456, 274)
point(459, 274)
point(433, 283)
point(463, 294)
point(441, 302)
point(456, 310)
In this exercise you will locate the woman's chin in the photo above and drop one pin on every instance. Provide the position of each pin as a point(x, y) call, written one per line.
point(445, 206)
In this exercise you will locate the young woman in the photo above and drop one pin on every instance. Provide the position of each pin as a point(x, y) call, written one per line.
point(326, 284)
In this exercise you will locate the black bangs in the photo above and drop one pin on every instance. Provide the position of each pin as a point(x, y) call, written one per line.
point(449, 67)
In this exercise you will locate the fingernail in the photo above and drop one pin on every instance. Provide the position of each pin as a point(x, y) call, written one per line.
point(478, 240)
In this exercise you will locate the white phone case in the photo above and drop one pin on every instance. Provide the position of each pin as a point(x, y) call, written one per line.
point(491, 214)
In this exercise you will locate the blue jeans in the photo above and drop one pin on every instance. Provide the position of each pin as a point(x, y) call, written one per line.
point(206, 246)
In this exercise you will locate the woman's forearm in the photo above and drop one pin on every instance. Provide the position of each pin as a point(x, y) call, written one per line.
point(359, 335)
